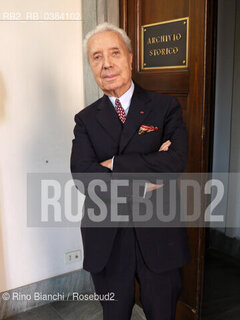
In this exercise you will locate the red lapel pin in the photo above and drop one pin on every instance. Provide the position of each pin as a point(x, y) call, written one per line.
point(142, 112)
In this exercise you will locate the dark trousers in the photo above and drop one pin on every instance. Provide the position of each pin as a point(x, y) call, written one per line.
point(159, 292)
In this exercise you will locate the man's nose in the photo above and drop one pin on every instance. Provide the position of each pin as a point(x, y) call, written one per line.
point(107, 62)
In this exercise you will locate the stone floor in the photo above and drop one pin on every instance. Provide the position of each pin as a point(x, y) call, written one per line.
point(71, 310)
point(221, 300)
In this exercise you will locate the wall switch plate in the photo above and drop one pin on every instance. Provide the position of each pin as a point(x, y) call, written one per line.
point(73, 256)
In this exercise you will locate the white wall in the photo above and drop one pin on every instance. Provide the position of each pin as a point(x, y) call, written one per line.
point(41, 88)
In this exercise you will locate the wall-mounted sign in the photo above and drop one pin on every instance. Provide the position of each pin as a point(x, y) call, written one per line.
point(165, 44)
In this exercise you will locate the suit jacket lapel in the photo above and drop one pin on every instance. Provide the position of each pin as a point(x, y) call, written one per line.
point(139, 109)
point(108, 118)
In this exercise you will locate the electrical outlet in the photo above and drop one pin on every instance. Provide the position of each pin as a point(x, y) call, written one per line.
point(73, 256)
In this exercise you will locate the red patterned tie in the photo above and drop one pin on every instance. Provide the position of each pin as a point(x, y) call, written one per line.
point(120, 111)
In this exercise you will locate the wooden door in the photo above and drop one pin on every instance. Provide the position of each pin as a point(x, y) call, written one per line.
point(192, 87)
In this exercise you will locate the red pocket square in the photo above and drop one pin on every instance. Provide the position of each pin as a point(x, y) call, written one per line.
point(144, 129)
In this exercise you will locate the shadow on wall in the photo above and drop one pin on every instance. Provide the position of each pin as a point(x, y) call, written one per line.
point(2, 265)
point(2, 99)
point(2, 117)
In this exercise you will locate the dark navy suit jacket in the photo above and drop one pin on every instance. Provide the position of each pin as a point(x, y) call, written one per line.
point(99, 135)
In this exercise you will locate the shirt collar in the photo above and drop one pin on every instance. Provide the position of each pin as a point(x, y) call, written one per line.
point(125, 99)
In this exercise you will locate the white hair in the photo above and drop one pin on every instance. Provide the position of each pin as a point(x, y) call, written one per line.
point(106, 27)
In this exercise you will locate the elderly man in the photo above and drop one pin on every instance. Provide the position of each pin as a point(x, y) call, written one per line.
point(130, 130)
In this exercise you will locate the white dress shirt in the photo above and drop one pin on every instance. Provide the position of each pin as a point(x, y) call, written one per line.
point(125, 99)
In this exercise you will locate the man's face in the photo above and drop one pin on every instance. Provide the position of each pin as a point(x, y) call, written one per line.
point(111, 63)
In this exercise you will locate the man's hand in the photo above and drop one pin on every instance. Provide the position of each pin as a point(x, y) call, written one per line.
point(107, 164)
point(165, 146)
point(150, 186)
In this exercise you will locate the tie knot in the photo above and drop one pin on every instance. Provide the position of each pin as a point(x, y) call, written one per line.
point(117, 102)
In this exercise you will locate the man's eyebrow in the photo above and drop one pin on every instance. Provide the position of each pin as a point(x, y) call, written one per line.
point(112, 48)
point(96, 52)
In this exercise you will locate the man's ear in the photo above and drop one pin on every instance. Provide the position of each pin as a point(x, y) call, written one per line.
point(131, 59)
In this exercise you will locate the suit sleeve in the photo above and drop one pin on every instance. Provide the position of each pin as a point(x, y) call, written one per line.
point(174, 160)
point(85, 165)
point(83, 157)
